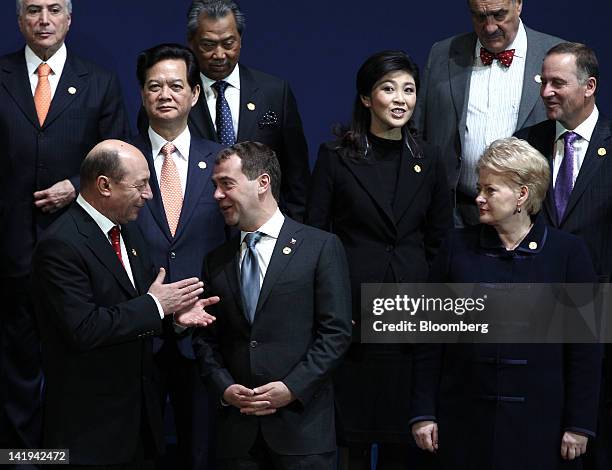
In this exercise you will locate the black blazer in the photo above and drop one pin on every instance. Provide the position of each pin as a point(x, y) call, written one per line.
point(347, 198)
point(34, 158)
point(200, 229)
point(589, 210)
point(268, 114)
point(301, 330)
point(96, 333)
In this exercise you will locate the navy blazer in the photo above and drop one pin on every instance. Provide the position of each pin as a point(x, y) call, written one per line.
point(200, 229)
point(87, 107)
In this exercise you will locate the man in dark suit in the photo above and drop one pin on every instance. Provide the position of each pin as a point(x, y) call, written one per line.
point(182, 224)
point(54, 107)
point(478, 87)
point(252, 105)
point(577, 140)
point(283, 324)
point(97, 306)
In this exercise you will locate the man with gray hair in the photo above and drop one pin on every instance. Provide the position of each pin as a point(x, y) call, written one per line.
point(54, 107)
point(478, 87)
point(239, 103)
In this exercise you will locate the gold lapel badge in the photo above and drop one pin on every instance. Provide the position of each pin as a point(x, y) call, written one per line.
point(286, 250)
point(537, 78)
point(601, 152)
point(417, 168)
point(202, 165)
point(72, 90)
point(134, 252)
point(251, 106)
point(533, 246)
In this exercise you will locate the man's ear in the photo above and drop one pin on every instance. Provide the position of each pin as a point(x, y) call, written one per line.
point(103, 185)
point(264, 183)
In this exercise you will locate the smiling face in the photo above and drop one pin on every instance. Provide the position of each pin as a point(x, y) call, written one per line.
point(129, 195)
point(167, 96)
point(391, 103)
point(44, 25)
point(498, 198)
point(496, 22)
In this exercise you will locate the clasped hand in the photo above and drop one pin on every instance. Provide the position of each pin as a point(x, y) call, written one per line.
point(260, 401)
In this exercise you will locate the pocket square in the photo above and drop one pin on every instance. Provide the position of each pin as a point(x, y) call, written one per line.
point(269, 119)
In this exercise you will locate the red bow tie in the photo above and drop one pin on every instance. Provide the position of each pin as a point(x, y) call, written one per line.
point(504, 57)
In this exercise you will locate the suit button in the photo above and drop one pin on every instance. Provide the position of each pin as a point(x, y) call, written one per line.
point(389, 248)
point(253, 344)
point(172, 255)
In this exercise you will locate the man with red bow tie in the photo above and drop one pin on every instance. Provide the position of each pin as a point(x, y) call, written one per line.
point(478, 87)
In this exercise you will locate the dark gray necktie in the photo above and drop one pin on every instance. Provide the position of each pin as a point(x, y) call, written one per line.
point(249, 275)
point(223, 121)
point(565, 176)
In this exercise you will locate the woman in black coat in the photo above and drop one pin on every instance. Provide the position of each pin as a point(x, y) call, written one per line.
point(508, 406)
point(384, 193)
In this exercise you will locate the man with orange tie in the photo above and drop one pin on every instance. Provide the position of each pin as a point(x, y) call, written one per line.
point(54, 107)
point(182, 224)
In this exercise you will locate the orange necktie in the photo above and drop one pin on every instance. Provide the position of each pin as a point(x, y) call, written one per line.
point(170, 187)
point(42, 94)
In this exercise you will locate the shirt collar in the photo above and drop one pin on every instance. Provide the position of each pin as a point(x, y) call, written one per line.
point(233, 79)
point(182, 143)
point(519, 44)
point(56, 61)
point(584, 130)
point(100, 219)
point(271, 228)
point(532, 243)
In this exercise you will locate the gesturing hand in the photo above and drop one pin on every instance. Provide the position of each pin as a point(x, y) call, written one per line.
point(196, 315)
point(176, 296)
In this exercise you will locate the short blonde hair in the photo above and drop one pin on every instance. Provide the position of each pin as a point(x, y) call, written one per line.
point(518, 162)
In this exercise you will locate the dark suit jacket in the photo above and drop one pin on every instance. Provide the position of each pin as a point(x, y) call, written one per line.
point(445, 88)
point(96, 333)
point(34, 158)
point(506, 406)
point(348, 199)
point(589, 210)
point(284, 134)
point(201, 226)
point(301, 330)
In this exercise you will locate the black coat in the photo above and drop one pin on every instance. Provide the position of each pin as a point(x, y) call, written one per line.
point(506, 406)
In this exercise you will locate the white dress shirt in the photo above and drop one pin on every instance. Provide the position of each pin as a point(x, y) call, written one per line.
point(105, 225)
point(585, 131)
point(180, 155)
point(232, 95)
point(56, 62)
point(493, 106)
point(265, 246)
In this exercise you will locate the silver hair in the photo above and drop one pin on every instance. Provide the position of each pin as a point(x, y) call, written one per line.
point(20, 6)
point(213, 9)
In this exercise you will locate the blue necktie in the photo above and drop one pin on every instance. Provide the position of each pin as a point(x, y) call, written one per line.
point(565, 176)
point(249, 275)
point(225, 128)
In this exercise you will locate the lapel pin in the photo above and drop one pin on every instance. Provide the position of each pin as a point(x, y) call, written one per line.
point(537, 78)
point(286, 250)
point(601, 152)
point(134, 252)
point(251, 106)
point(72, 90)
point(417, 168)
point(293, 241)
point(533, 246)
point(202, 165)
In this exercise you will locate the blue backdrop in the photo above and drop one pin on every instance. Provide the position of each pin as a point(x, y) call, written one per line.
point(317, 45)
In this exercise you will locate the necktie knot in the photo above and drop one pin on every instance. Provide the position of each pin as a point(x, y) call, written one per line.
point(504, 57)
point(251, 239)
point(220, 86)
point(43, 70)
point(570, 137)
point(168, 149)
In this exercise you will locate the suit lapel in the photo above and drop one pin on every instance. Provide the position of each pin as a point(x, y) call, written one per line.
point(232, 275)
point(249, 93)
point(461, 61)
point(72, 83)
point(200, 122)
point(544, 142)
point(135, 260)
point(531, 90)
point(17, 84)
point(101, 248)
point(412, 172)
point(601, 138)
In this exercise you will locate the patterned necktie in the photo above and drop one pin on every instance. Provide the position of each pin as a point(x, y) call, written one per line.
point(504, 57)
point(225, 128)
point(565, 176)
point(249, 275)
point(170, 187)
point(114, 236)
point(42, 94)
